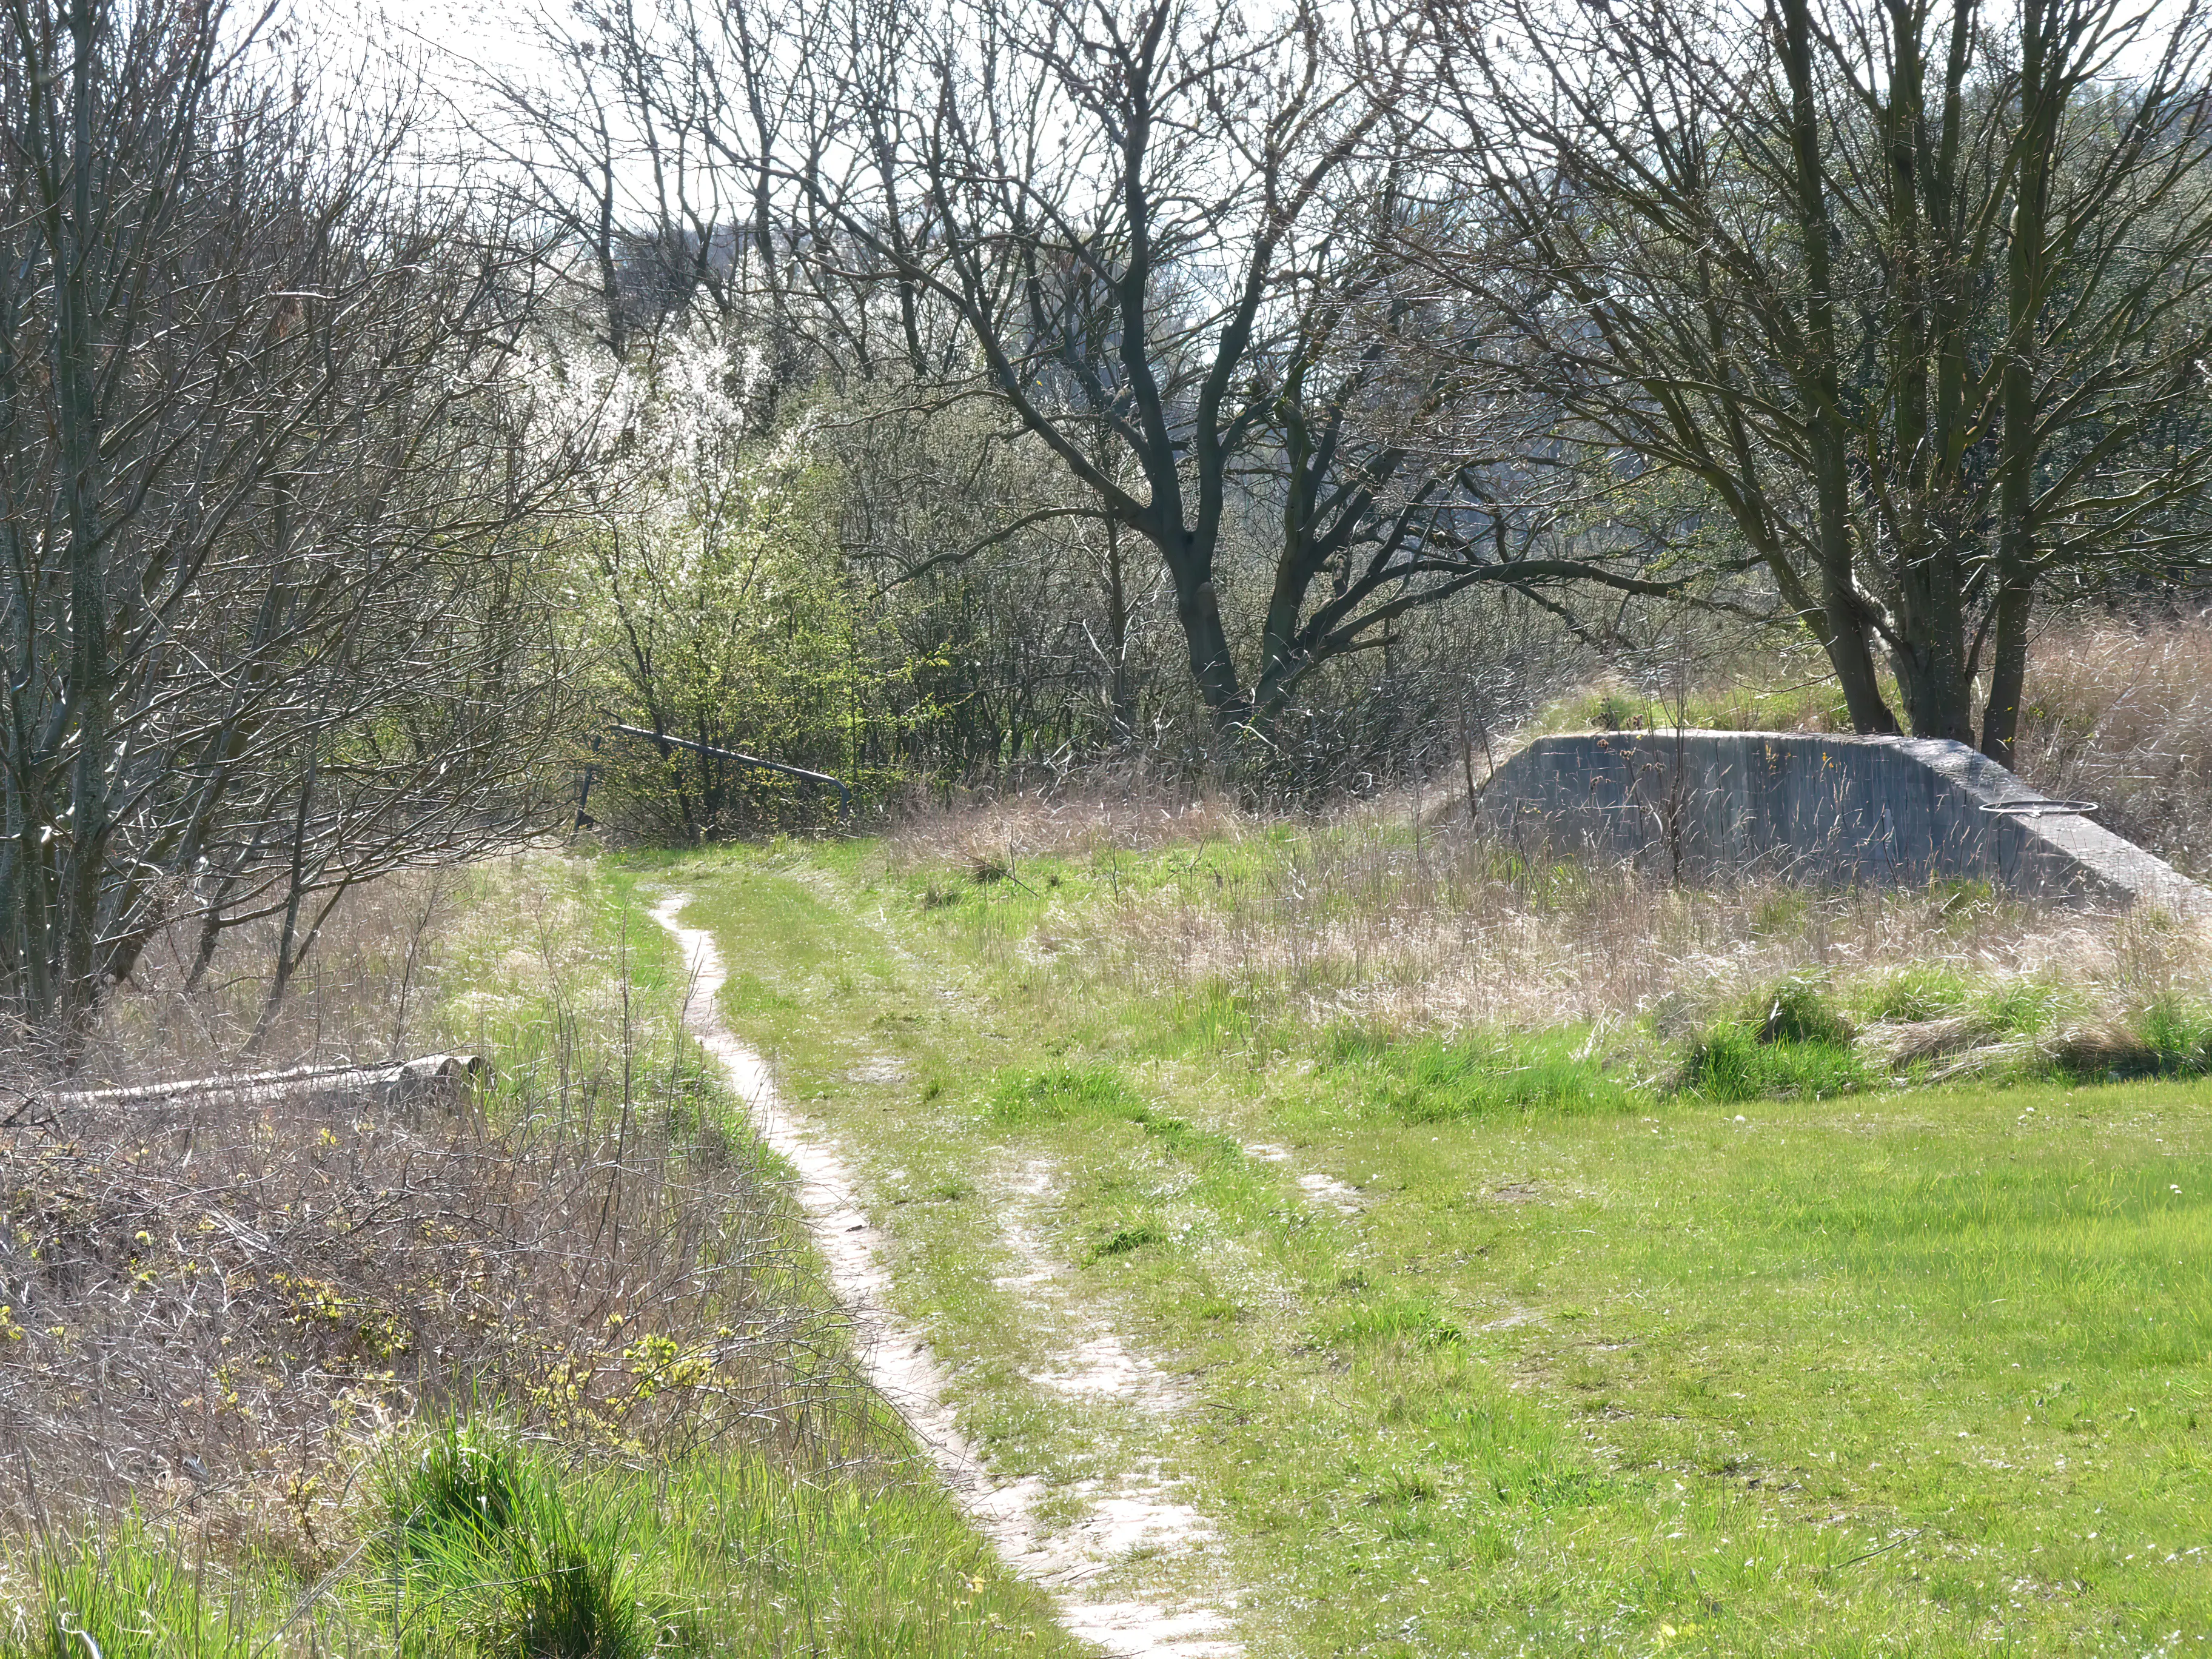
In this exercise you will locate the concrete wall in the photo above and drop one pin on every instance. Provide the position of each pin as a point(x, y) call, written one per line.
point(1821, 809)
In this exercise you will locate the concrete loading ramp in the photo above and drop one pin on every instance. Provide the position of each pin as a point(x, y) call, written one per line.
point(1824, 809)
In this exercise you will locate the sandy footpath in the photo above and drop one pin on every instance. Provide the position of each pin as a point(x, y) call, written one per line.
point(1136, 1512)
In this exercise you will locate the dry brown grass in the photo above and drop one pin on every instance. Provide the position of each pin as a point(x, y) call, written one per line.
point(1356, 916)
point(1359, 917)
point(213, 1307)
point(2122, 714)
point(990, 835)
point(1455, 931)
point(367, 991)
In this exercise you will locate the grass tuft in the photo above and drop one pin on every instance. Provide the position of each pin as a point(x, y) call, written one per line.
point(1410, 1321)
point(1734, 1062)
point(2179, 1036)
point(1798, 1010)
point(1443, 1079)
point(2026, 1008)
point(1063, 1094)
point(1791, 1040)
point(465, 1490)
point(1125, 1240)
point(490, 1537)
point(1915, 994)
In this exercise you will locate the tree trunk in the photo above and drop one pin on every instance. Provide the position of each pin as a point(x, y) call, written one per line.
point(2007, 672)
point(1199, 611)
point(1930, 659)
point(76, 362)
point(1843, 609)
point(2020, 443)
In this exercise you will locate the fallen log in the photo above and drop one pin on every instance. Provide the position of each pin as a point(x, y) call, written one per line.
point(401, 1082)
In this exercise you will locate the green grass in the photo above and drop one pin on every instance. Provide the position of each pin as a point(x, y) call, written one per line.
point(1813, 704)
point(1431, 1079)
point(475, 1544)
point(1737, 1063)
point(1915, 993)
point(492, 1540)
point(1065, 1094)
point(139, 1597)
point(2179, 1036)
point(1600, 1362)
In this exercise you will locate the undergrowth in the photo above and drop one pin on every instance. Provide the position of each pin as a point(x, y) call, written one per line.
point(1467, 977)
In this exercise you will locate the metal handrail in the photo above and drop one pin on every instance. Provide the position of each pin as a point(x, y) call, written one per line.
point(2036, 807)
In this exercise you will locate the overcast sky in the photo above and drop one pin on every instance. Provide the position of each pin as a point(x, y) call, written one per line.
point(454, 37)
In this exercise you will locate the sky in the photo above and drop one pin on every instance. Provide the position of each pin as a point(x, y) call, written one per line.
point(453, 39)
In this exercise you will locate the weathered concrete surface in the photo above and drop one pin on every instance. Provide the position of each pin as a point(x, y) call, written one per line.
point(1812, 807)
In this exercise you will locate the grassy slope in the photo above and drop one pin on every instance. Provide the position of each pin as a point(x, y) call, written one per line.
point(1915, 1372)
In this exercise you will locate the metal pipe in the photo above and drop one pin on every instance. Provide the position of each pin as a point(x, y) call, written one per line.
point(844, 795)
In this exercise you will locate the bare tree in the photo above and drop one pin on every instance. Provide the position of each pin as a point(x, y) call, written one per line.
point(1917, 292)
point(1154, 227)
point(658, 149)
point(270, 592)
point(1151, 234)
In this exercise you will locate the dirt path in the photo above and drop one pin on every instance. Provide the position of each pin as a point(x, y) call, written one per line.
point(1139, 1511)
